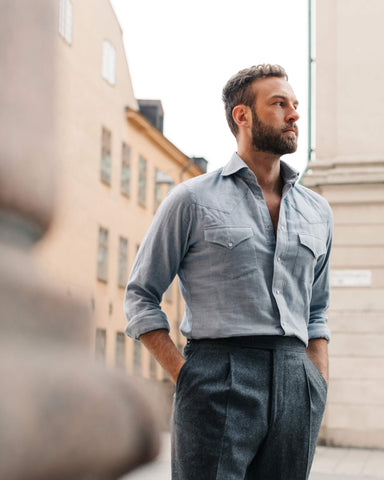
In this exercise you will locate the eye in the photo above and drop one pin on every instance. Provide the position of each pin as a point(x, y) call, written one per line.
point(280, 104)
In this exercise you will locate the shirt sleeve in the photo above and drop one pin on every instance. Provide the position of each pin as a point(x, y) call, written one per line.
point(317, 326)
point(157, 263)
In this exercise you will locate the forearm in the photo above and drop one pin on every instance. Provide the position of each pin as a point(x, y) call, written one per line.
point(160, 344)
point(317, 352)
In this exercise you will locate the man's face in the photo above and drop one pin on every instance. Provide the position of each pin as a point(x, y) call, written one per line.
point(274, 117)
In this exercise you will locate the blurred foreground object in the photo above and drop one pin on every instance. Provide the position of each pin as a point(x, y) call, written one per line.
point(61, 415)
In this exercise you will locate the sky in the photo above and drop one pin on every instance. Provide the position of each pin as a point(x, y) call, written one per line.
point(183, 53)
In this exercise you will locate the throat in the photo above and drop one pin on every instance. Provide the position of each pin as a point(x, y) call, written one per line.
point(273, 203)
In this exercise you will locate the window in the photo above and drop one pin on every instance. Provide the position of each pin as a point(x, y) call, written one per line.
point(142, 181)
point(123, 262)
point(137, 357)
point(109, 62)
point(163, 184)
point(105, 171)
point(65, 20)
point(100, 345)
point(125, 170)
point(158, 190)
point(120, 350)
point(102, 255)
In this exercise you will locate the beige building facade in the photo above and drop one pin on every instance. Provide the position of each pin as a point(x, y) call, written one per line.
point(115, 167)
point(349, 173)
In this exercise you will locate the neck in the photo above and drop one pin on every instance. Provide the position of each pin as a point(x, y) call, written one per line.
point(266, 167)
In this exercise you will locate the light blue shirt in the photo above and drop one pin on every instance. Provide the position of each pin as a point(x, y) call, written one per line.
point(237, 278)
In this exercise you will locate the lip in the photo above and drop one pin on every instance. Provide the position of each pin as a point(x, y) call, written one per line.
point(290, 130)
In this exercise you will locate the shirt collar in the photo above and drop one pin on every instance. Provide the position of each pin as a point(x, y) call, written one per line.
point(289, 174)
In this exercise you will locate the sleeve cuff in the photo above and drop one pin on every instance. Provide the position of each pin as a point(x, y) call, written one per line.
point(145, 323)
point(319, 331)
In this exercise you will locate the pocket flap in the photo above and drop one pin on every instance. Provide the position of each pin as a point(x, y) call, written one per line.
point(228, 237)
point(314, 244)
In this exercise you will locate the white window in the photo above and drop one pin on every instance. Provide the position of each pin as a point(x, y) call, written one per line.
point(65, 20)
point(109, 62)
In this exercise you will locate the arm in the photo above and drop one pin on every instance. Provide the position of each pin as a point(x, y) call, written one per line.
point(159, 343)
point(317, 352)
point(156, 264)
point(317, 324)
point(318, 331)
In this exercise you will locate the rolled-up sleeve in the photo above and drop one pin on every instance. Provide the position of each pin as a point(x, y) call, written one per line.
point(157, 263)
point(317, 326)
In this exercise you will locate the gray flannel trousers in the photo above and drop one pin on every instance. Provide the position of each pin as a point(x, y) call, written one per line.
point(246, 408)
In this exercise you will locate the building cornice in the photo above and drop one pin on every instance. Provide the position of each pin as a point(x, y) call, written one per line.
point(344, 171)
point(137, 120)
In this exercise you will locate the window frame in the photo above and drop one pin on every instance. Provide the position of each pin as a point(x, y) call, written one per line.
point(142, 182)
point(123, 262)
point(125, 177)
point(108, 63)
point(102, 255)
point(120, 355)
point(106, 156)
point(100, 355)
point(66, 20)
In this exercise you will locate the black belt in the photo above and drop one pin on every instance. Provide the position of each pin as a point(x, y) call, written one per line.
point(255, 341)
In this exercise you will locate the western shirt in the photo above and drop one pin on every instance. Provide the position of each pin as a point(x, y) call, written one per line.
point(236, 276)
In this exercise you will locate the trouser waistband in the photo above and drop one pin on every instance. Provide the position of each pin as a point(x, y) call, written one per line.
point(256, 341)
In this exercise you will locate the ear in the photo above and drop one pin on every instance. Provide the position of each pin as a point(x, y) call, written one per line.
point(241, 115)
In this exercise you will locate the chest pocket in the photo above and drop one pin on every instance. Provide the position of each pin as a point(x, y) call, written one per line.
point(310, 249)
point(228, 237)
point(231, 251)
point(315, 245)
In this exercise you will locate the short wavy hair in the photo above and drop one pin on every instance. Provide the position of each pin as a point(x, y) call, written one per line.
point(238, 89)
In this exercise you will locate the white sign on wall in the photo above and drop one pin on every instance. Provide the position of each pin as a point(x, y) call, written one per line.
point(351, 278)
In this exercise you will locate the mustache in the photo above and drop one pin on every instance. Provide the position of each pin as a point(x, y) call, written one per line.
point(293, 127)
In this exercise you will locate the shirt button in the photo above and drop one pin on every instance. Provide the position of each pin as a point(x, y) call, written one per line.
point(230, 244)
point(282, 228)
point(278, 259)
point(277, 292)
point(268, 226)
point(258, 197)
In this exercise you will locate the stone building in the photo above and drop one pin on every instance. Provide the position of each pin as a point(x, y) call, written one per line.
point(115, 167)
point(349, 172)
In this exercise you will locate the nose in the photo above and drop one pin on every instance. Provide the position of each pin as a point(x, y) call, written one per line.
point(292, 115)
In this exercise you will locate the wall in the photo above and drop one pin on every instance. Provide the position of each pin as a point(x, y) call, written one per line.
point(85, 103)
point(349, 173)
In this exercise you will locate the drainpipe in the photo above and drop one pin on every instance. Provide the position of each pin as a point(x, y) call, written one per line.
point(310, 61)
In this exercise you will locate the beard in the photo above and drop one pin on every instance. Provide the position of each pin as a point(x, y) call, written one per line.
point(266, 138)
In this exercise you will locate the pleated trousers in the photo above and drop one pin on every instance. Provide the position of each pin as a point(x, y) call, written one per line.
point(246, 408)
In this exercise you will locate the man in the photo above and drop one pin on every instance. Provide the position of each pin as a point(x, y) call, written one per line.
point(251, 248)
